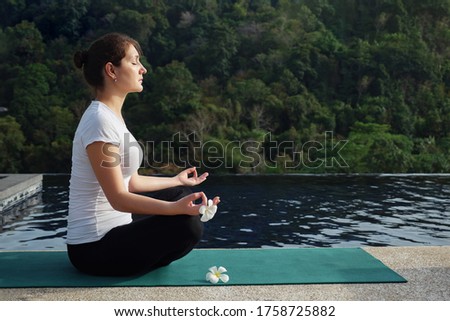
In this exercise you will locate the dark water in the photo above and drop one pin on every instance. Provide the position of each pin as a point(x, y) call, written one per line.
point(281, 211)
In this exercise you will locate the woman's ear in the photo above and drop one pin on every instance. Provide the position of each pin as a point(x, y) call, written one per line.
point(110, 71)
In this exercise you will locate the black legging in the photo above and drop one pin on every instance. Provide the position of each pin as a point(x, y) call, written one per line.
point(147, 243)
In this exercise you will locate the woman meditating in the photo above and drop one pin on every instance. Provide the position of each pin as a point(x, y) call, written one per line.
point(105, 187)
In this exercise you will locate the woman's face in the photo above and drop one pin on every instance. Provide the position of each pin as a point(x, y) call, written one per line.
point(131, 72)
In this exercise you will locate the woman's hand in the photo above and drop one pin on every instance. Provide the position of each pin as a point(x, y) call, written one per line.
point(187, 205)
point(185, 179)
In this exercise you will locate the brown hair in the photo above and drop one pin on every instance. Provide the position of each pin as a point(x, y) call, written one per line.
point(111, 47)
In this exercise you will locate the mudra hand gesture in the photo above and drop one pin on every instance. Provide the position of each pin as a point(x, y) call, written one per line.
point(189, 177)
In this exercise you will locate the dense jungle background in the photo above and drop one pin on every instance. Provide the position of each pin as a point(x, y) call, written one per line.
point(307, 86)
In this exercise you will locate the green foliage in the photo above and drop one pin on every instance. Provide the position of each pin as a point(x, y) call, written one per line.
point(30, 100)
point(24, 43)
point(226, 74)
point(174, 93)
point(11, 144)
point(373, 149)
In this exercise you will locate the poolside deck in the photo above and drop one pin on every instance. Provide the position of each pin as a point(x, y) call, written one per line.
point(16, 188)
point(427, 269)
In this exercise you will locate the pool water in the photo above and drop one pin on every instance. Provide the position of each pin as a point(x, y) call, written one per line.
point(264, 211)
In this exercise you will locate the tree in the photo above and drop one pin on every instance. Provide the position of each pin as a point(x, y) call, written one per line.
point(174, 95)
point(10, 12)
point(255, 99)
point(12, 143)
point(372, 149)
point(24, 44)
point(213, 54)
point(138, 25)
point(30, 104)
point(61, 18)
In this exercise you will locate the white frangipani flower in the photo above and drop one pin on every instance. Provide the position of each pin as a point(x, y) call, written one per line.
point(208, 211)
point(215, 274)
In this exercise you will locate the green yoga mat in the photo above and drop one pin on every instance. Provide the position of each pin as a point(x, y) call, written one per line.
point(245, 267)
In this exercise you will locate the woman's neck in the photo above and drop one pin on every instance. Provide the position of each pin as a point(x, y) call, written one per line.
point(114, 102)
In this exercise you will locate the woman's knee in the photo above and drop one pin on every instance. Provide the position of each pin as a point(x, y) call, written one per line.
point(190, 227)
point(195, 227)
point(176, 227)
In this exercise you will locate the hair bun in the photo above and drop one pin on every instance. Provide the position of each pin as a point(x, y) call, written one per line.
point(80, 58)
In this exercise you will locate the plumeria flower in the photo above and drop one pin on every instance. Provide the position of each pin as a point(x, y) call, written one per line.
point(208, 211)
point(215, 274)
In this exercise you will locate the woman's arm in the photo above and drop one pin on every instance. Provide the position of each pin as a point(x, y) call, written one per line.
point(109, 175)
point(188, 177)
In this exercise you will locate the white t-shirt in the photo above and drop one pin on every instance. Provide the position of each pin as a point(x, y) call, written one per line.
point(91, 216)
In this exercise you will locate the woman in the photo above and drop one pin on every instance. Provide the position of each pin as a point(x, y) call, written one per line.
point(105, 187)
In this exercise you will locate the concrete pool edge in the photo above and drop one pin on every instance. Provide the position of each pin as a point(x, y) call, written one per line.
point(427, 269)
point(16, 188)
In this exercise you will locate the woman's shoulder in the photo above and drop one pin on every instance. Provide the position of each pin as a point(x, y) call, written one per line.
point(98, 114)
point(98, 124)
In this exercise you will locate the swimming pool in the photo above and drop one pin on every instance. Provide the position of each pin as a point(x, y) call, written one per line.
point(266, 211)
